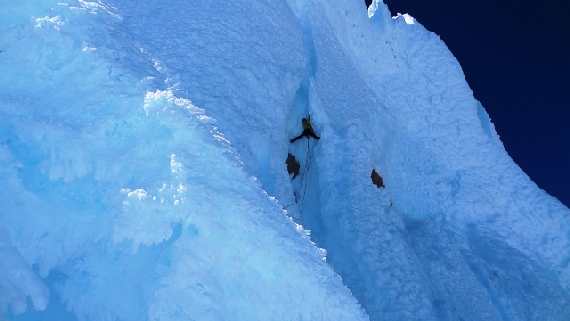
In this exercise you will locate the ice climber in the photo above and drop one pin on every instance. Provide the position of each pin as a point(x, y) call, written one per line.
point(307, 130)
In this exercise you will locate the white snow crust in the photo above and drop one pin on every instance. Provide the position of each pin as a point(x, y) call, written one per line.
point(143, 176)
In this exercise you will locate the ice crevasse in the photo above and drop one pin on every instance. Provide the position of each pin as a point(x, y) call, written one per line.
point(143, 176)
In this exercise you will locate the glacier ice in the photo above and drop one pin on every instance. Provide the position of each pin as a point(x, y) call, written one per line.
point(142, 174)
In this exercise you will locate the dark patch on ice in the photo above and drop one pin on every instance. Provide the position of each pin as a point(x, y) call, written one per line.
point(293, 165)
point(376, 179)
point(485, 120)
point(413, 224)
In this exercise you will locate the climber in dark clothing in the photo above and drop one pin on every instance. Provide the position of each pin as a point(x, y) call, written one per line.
point(307, 130)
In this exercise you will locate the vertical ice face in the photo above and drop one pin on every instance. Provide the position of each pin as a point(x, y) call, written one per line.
point(143, 176)
point(458, 221)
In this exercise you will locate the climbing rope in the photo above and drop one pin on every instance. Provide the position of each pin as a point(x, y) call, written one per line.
point(306, 170)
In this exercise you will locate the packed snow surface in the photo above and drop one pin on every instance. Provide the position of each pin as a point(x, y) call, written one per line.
point(143, 175)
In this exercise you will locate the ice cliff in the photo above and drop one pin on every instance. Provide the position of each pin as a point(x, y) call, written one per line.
point(143, 175)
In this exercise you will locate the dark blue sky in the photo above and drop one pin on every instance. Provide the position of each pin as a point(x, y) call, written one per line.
point(516, 58)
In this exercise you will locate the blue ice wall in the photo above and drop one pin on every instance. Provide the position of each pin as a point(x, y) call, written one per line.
point(123, 201)
point(142, 174)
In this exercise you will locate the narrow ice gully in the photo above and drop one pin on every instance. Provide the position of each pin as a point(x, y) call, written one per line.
point(142, 175)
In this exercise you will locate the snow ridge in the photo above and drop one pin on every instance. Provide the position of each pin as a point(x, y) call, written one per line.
point(142, 175)
point(122, 201)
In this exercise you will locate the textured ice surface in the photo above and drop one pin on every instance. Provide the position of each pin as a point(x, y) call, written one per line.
point(121, 201)
point(143, 176)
